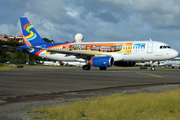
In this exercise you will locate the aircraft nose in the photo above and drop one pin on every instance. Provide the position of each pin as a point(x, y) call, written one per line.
point(174, 53)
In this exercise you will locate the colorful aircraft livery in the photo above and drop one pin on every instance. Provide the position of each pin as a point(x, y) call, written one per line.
point(98, 54)
point(32, 35)
point(26, 41)
point(98, 47)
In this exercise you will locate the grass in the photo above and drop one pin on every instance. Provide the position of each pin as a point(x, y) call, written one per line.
point(140, 106)
point(2, 65)
point(7, 66)
point(30, 67)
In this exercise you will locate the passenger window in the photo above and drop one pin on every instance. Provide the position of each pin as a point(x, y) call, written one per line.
point(160, 47)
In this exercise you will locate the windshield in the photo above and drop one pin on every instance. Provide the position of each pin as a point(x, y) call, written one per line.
point(164, 47)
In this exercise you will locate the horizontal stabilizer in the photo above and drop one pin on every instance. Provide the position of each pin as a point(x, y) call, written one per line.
point(8, 46)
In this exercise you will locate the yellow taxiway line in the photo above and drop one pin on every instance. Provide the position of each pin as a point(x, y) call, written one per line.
point(149, 74)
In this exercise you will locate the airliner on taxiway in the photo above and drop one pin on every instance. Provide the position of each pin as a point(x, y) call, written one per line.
point(99, 54)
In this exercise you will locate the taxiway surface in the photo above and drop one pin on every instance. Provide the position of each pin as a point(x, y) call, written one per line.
point(15, 83)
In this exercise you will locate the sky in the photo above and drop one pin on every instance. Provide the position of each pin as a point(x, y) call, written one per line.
point(97, 20)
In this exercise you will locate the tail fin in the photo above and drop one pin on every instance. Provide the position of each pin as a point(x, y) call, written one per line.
point(27, 43)
point(30, 33)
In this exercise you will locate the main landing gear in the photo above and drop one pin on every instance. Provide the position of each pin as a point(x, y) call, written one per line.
point(102, 68)
point(88, 67)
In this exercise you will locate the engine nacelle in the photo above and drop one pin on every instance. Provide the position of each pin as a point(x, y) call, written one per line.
point(125, 64)
point(104, 61)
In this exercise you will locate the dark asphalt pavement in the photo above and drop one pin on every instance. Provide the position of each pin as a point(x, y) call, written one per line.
point(15, 83)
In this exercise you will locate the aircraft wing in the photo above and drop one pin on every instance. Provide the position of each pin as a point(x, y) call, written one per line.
point(78, 54)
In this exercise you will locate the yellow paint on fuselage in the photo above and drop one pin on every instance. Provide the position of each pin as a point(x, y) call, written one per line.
point(95, 47)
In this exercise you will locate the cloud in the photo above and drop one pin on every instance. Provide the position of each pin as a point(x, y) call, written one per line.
point(9, 29)
point(51, 30)
point(159, 14)
point(108, 34)
point(107, 17)
point(97, 20)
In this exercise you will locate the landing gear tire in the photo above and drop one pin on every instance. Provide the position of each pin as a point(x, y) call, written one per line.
point(153, 68)
point(102, 68)
point(86, 67)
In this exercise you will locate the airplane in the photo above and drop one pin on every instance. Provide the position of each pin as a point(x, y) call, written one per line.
point(98, 54)
point(73, 63)
point(174, 63)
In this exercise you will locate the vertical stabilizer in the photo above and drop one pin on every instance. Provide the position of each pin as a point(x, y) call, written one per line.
point(27, 43)
point(30, 33)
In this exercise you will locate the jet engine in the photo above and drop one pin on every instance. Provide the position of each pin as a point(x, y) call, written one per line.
point(124, 64)
point(104, 61)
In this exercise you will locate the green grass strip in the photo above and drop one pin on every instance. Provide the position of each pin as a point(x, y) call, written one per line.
point(140, 106)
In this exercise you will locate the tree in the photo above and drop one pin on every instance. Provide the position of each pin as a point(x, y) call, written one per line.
point(13, 53)
point(3, 53)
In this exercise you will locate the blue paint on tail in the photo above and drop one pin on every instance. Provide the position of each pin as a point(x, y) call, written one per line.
point(33, 38)
point(30, 33)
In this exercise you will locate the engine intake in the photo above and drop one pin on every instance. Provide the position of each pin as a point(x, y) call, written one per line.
point(104, 61)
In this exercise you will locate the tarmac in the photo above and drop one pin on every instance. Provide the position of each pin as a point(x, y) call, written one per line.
point(23, 90)
point(19, 83)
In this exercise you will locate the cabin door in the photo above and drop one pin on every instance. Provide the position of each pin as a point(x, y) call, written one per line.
point(150, 47)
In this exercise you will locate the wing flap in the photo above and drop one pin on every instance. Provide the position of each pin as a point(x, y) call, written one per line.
point(78, 54)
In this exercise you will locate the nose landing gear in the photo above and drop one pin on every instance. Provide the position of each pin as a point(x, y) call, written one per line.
point(153, 68)
point(152, 65)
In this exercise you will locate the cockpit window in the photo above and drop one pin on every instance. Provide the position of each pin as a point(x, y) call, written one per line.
point(164, 47)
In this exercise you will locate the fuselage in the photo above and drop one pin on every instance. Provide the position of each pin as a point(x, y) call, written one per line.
point(120, 51)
